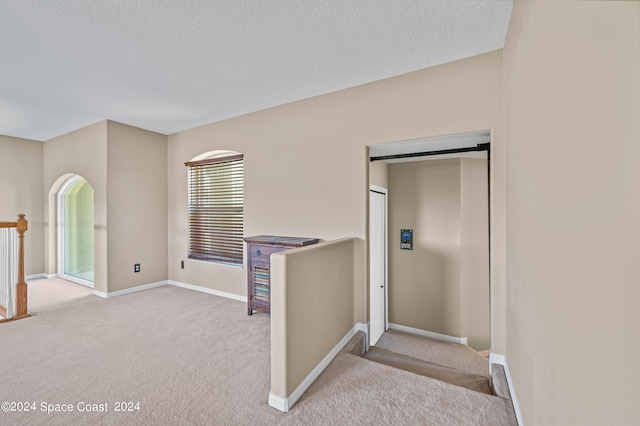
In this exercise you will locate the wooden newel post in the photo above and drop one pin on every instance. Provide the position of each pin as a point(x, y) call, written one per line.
point(21, 285)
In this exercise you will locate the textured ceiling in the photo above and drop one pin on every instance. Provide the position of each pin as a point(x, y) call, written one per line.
point(169, 65)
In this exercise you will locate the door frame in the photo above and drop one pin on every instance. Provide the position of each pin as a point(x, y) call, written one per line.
point(60, 204)
point(385, 192)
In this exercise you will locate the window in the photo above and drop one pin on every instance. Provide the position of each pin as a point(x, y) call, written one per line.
point(216, 209)
point(76, 236)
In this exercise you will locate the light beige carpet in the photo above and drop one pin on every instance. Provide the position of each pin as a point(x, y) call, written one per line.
point(55, 293)
point(193, 358)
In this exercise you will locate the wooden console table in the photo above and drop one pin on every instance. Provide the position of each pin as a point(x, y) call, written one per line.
point(259, 249)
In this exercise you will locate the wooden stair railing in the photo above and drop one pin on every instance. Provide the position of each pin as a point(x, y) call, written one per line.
point(21, 226)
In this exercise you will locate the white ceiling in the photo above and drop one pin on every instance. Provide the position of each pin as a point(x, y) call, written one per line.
point(170, 65)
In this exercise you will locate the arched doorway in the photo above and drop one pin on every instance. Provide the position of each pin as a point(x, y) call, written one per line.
point(75, 217)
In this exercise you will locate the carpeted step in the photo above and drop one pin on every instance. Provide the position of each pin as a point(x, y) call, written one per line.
point(474, 382)
point(499, 379)
point(501, 387)
point(453, 355)
point(357, 345)
point(382, 394)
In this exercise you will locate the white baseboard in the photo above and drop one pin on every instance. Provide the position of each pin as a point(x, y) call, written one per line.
point(36, 276)
point(129, 290)
point(76, 280)
point(366, 330)
point(360, 326)
point(152, 285)
point(430, 334)
point(208, 291)
point(170, 282)
point(278, 402)
point(283, 404)
point(500, 359)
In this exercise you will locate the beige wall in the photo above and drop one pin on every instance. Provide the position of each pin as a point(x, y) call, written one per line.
point(568, 218)
point(572, 105)
point(21, 192)
point(378, 174)
point(126, 167)
point(289, 187)
point(442, 285)
point(474, 253)
point(312, 308)
point(137, 206)
point(424, 283)
point(82, 152)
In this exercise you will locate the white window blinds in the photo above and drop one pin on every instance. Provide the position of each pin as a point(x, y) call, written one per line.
point(216, 209)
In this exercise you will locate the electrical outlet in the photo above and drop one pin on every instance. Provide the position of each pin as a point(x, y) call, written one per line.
point(182, 264)
point(136, 267)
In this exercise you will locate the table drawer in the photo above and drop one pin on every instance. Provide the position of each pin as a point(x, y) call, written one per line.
point(262, 253)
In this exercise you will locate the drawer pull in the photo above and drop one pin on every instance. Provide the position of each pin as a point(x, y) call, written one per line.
point(259, 253)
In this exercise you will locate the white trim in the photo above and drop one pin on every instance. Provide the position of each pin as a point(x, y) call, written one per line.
point(283, 404)
point(500, 359)
point(433, 143)
point(101, 294)
point(365, 329)
point(430, 334)
point(360, 326)
point(60, 195)
point(278, 402)
point(208, 291)
point(384, 191)
point(377, 188)
point(76, 280)
point(174, 283)
point(36, 277)
point(60, 234)
point(497, 359)
point(129, 290)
